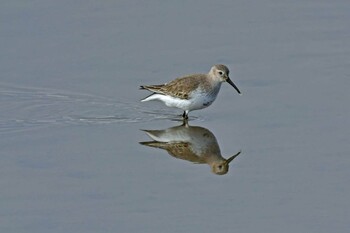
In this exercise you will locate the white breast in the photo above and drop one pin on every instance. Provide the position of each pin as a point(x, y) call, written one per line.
point(202, 99)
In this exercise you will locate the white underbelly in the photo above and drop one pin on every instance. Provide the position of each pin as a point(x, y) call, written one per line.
point(197, 100)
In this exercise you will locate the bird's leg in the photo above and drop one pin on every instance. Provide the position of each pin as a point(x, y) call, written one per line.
point(185, 115)
point(185, 121)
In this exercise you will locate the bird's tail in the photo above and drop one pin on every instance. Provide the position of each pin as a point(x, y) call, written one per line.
point(148, 98)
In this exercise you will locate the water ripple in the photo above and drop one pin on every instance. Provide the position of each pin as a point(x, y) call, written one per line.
point(28, 108)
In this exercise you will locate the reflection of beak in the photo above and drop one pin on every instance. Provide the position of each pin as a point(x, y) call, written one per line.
point(232, 84)
point(232, 158)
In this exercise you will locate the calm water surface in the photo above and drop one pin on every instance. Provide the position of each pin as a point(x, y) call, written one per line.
point(75, 156)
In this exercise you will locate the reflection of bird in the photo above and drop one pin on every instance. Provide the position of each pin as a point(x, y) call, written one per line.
point(191, 92)
point(193, 143)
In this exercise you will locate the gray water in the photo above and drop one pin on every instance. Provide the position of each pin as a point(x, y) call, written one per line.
point(71, 120)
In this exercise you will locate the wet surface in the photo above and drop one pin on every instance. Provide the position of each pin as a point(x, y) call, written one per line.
point(71, 122)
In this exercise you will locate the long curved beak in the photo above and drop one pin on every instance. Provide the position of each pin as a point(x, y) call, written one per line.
point(232, 157)
point(232, 84)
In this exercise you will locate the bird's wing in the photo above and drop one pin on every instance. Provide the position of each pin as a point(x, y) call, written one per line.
point(153, 88)
point(179, 88)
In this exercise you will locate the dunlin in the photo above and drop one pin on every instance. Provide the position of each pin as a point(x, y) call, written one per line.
point(191, 92)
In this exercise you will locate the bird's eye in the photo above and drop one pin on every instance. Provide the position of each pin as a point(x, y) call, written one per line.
point(221, 73)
